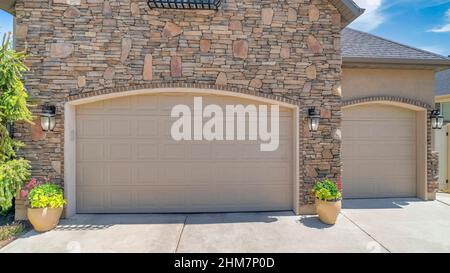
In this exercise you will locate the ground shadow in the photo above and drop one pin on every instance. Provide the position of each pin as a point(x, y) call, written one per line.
point(81, 222)
point(386, 203)
point(227, 218)
point(313, 222)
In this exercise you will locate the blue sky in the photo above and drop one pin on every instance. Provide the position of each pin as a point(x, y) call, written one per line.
point(6, 23)
point(423, 24)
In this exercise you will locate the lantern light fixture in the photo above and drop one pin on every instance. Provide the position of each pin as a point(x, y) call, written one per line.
point(437, 120)
point(48, 117)
point(10, 129)
point(313, 119)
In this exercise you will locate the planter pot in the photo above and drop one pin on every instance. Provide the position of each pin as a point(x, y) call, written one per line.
point(44, 219)
point(328, 210)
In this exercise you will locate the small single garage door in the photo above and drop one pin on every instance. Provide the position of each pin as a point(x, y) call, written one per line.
point(379, 151)
point(127, 161)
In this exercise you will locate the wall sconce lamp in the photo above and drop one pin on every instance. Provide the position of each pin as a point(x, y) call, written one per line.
point(10, 129)
point(437, 120)
point(313, 119)
point(48, 117)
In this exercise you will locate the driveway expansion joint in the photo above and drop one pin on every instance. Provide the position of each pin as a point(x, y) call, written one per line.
point(181, 233)
point(367, 233)
point(443, 202)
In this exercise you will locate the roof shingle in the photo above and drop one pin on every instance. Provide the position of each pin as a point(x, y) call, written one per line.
point(357, 44)
point(443, 83)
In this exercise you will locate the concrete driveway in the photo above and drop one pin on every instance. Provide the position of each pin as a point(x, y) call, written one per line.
point(384, 225)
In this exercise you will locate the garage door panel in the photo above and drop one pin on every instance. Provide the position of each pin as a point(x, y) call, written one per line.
point(382, 112)
point(371, 168)
point(90, 151)
point(90, 174)
point(268, 175)
point(145, 103)
point(172, 150)
point(128, 162)
point(146, 150)
point(183, 199)
point(121, 199)
point(146, 174)
point(90, 108)
point(117, 105)
point(119, 151)
point(120, 174)
point(201, 151)
point(379, 152)
point(90, 200)
point(90, 127)
point(120, 128)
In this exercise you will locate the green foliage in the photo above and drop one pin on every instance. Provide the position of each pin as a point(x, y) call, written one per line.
point(327, 190)
point(13, 108)
point(12, 175)
point(13, 99)
point(11, 230)
point(8, 146)
point(47, 196)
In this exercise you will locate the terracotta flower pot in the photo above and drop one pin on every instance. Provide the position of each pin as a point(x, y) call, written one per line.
point(44, 219)
point(328, 210)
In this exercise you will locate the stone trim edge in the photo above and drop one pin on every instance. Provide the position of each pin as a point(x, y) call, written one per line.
point(180, 85)
point(387, 99)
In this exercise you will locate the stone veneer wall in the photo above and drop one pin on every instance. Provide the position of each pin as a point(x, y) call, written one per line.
point(287, 48)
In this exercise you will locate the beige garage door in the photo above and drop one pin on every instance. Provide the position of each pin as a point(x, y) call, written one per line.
point(379, 152)
point(127, 161)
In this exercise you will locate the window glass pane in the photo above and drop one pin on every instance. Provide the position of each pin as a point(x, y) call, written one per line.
point(446, 111)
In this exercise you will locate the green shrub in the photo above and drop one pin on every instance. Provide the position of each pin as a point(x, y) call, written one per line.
point(327, 190)
point(12, 175)
point(47, 196)
point(11, 230)
point(13, 99)
point(13, 108)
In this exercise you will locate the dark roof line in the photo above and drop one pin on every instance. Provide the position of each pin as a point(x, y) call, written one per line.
point(349, 10)
point(355, 9)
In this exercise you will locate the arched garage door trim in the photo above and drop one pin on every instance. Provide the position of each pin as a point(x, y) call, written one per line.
point(422, 137)
point(70, 129)
point(391, 100)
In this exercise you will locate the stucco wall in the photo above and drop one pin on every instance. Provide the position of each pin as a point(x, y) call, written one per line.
point(405, 86)
point(411, 84)
point(286, 48)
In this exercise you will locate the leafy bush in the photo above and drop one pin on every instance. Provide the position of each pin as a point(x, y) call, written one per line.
point(11, 230)
point(46, 196)
point(13, 99)
point(12, 175)
point(13, 108)
point(327, 190)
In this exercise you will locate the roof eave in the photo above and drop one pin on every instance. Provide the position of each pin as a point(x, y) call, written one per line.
point(442, 98)
point(382, 62)
point(349, 10)
point(8, 5)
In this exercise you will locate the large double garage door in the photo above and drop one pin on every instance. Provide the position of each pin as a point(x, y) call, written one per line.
point(127, 161)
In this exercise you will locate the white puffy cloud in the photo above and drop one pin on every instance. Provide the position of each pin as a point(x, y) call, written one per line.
point(372, 17)
point(446, 27)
